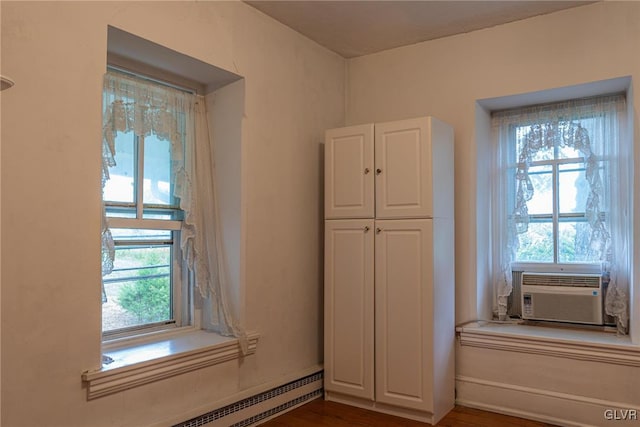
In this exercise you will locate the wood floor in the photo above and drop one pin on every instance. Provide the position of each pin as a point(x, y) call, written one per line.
point(319, 412)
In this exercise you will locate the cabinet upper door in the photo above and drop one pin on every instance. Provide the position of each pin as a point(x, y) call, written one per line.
point(348, 307)
point(349, 174)
point(403, 169)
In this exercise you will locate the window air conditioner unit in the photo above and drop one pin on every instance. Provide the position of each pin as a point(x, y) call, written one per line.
point(575, 298)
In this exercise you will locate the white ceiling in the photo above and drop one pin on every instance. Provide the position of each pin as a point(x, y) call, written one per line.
point(355, 28)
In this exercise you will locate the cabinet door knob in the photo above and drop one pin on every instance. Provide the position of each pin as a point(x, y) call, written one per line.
point(378, 171)
point(366, 171)
point(378, 230)
point(366, 228)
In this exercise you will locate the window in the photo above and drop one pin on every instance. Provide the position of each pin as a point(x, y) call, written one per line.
point(145, 288)
point(558, 231)
point(160, 222)
point(560, 194)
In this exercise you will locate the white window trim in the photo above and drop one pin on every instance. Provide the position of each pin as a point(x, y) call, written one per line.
point(145, 363)
point(160, 224)
point(595, 346)
point(544, 267)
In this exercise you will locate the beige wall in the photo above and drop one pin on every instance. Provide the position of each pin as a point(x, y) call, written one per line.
point(51, 122)
point(446, 77)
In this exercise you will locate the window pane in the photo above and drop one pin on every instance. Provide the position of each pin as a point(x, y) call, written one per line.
point(530, 134)
point(542, 200)
point(114, 212)
point(573, 241)
point(568, 153)
point(139, 289)
point(574, 188)
point(536, 245)
point(157, 171)
point(120, 186)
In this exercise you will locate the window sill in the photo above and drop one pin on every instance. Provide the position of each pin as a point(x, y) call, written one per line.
point(604, 347)
point(144, 363)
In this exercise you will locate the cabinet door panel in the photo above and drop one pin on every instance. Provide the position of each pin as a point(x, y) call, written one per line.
point(349, 176)
point(403, 175)
point(348, 300)
point(403, 257)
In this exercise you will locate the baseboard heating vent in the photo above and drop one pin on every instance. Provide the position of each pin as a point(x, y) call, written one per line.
point(256, 408)
point(278, 409)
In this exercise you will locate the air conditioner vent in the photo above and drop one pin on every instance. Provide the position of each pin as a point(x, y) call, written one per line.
point(549, 279)
point(575, 298)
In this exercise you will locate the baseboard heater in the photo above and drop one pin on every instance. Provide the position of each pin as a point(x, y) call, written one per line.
point(254, 409)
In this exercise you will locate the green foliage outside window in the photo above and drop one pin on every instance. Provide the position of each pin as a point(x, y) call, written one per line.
point(149, 297)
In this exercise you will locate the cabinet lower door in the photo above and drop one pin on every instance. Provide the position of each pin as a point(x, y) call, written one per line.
point(349, 307)
point(403, 257)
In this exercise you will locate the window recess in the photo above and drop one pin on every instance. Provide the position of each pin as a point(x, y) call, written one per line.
point(561, 194)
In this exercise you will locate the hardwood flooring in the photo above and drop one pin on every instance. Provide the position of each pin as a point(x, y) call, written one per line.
point(319, 412)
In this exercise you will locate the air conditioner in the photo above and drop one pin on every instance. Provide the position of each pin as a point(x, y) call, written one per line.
point(575, 298)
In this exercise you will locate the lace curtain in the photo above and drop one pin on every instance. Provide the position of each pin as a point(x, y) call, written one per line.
point(145, 108)
point(594, 128)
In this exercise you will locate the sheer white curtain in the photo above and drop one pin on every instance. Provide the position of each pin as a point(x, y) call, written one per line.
point(139, 106)
point(593, 127)
point(504, 237)
point(205, 244)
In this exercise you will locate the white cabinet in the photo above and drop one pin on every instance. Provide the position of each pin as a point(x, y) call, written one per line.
point(389, 279)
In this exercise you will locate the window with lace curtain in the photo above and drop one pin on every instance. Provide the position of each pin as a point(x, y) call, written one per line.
point(561, 192)
point(144, 288)
point(161, 251)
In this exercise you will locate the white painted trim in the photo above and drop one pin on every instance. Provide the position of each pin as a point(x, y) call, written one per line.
point(546, 393)
point(371, 405)
point(161, 224)
point(107, 381)
point(604, 348)
point(535, 404)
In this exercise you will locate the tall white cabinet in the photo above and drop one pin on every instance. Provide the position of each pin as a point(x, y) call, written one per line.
point(389, 267)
